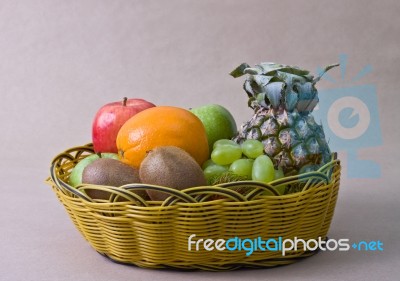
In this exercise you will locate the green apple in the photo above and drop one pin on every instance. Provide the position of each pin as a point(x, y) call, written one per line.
point(218, 121)
point(75, 178)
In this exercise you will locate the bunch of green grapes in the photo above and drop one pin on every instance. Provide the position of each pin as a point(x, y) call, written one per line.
point(247, 160)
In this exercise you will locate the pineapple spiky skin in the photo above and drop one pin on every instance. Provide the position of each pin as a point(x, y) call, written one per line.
point(292, 141)
point(283, 98)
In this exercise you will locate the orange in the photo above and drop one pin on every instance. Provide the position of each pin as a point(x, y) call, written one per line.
point(162, 126)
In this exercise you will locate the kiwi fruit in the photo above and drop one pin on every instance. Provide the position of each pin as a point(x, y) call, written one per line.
point(110, 172)
point(172, 167)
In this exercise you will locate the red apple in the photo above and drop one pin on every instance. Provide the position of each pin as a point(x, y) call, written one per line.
point(110, 118)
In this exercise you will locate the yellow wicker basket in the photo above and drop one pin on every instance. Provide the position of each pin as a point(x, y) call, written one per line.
point(155, 234)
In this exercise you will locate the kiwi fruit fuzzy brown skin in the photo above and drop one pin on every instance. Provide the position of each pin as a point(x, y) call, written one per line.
point(172, 167)
point(110, 172)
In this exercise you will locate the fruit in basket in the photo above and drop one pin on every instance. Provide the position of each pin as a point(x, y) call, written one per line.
point(213, 171)
point(172, 167)
point(162, 126)
point(226, 154)
point(244, 162)
point(252, 148)
point(278, 175)
point(110, 118)
point(224, 142)
point(110, 172)
point(242, 167)
point(263, 169)
point(75, 177)
point(283, 98)
point(218, 121)
point(228, 177)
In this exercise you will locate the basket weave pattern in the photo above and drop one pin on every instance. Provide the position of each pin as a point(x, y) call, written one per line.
point(149, 234)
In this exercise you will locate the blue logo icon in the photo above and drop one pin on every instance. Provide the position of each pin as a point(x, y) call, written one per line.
point(350, 117)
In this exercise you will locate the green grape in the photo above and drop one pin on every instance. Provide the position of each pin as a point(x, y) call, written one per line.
point(242, 167)
point(213, 171)
point(278, 175)
point(263, 169)
point(252, 148)
point(226, 154)
point(209, 162)
point(224, 142)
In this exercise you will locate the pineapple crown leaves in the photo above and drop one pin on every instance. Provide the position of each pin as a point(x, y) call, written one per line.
point(272, 85)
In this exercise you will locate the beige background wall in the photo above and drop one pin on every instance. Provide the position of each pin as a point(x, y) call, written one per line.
point(61, 60)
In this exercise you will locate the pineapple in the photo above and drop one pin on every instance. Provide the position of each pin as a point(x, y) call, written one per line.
point(283, 98)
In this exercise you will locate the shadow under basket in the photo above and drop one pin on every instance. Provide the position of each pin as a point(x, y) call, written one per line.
point(132, 230)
